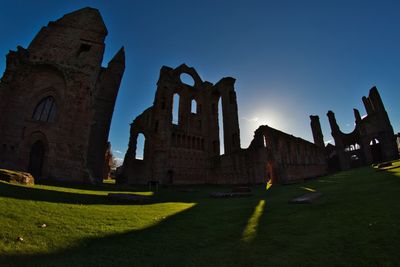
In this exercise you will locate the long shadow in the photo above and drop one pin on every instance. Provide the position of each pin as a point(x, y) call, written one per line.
point(210, 234)
point(171, 194)
point(332, 235)
point(96, 187)
point(48, 195)
point(192, 237)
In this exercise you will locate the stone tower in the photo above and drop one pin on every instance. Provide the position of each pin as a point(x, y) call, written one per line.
point(56, 100)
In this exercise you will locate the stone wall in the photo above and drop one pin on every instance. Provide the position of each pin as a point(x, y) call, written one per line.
point(187, 151)
point(289, 158)
point(56, 99)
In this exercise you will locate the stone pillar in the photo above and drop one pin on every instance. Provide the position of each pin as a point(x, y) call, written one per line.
point(230, 115)
point(317, 132)
point(368, 106)
point(375, 99)
point(357, 116)
point(336, 134)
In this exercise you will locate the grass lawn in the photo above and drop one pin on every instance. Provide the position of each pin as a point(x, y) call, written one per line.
point(355, 223)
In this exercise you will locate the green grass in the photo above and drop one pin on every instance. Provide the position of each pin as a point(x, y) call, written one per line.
point(355, 223)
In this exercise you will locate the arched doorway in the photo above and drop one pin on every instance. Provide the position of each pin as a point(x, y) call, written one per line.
point(36, 158)
point(376, 150)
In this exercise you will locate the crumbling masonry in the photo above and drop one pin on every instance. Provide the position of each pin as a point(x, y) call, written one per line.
point(56, 101)
point(187, 151)
point(371, 141)
point(56, 104)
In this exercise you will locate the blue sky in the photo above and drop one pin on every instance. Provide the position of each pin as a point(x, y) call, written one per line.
point(290, 58)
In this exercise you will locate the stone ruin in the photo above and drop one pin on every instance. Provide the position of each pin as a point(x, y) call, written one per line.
point(56, 100)
point(371, 141)
point(187, 151)
point(56, 104)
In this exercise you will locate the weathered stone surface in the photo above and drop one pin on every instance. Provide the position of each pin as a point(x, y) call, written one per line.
point(371, 141)
point(306, 198)
point(56, 100)
point(108, 162)
point(286, 159)
point(398, 142)
point(187, 151)
point(17, 177)
point(129, 198)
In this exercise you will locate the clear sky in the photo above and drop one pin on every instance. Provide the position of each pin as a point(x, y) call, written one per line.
point(290, 58)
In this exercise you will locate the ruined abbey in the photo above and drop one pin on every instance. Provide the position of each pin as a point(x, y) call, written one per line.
point(187, 151)
point(371, 141)
point(57, 101)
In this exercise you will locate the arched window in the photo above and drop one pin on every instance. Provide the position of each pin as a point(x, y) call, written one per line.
point(45, 110)
point(193, 107)
point(221, 128)
point(175, 109)
point(140, 144)
point(374, 142)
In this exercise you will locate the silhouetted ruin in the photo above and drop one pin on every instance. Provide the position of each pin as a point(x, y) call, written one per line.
point(56, 101)
point(371, 141)
point(187, 151)
point(56, 104)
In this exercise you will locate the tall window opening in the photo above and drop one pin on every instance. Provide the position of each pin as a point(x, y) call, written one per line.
point(140, 144)
point(45, 110)
point(193, 108)
point(221, 128)
point(175, 109)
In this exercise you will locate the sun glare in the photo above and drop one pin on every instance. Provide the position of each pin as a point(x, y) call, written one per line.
point(250, 231)
point(308, 189)
point(269, 184)
point(251, 122)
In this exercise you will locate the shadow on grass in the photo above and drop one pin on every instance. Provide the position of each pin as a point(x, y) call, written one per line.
point(96, 187)
point(48, 195)
point(188, 238)
point(171, 194)
point(332, 233)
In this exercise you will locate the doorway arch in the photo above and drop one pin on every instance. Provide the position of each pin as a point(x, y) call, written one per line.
point(376, 150)
point(36, 159)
